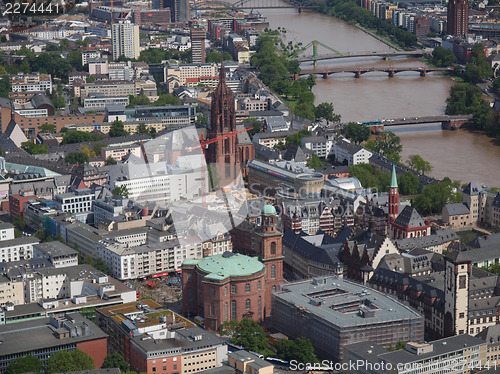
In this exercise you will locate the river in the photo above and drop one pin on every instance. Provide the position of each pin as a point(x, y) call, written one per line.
point(462, 155)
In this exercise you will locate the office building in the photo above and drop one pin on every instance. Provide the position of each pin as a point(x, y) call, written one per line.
point(125, 40)
point(457, 355)
point(458, 17)
point(332, 313)
point(198, 35)
point(157, 340)
point(179, 10)
point(43, 337)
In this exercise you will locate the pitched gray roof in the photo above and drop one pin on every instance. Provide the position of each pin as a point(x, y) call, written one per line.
point(458, 208)
point(409, 216)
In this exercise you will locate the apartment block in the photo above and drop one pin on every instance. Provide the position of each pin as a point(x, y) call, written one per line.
point(31, 82)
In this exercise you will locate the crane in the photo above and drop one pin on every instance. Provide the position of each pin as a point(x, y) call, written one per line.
point(203, 145)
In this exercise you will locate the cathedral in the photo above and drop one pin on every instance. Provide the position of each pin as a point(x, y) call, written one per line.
point(227, 158)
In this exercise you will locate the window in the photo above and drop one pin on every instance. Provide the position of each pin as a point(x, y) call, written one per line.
point(225, 291)
point(247, 288)
point(462, 281)
point(274, 288)
point(212, 309)
point(247, 304)
point(273, 248)
point(233, 289)
point(212, 292)
point(260, 306)
point(461, 315)
point(273, 271)
point(258, 285)
point(233, 309)
point(225, 312)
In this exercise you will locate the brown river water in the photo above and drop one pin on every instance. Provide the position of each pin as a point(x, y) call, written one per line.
point(462, 155)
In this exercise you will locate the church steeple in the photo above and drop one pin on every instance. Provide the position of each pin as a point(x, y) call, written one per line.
point(393, 198)
point(222, 73)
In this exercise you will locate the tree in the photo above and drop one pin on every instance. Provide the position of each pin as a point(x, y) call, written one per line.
point(47, 127)
point(64, 361)
point(25, 364)
point(167, 99)
point(408, 183)
point(217, 57)
point(325, 111)
point(76, 158)
point(117, 129)
point(314, 162)
point(417, 163)
point(443, 57)
point(115, 360)
point(34, 149)
point(280, 146)
point(250, 335)
point(299, 349)
point(19, 222)
point(389, 145)
point(121, 191)
point(90, 79)
point(357, 132)
point(110, 161)
point(478, 68)
point(436, 195)
point(296, 138)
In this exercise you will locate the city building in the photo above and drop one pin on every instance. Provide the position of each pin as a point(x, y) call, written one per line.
point(17, 249)
point(17, 202)
point(6, 231)
point(248, 363)
point(43, 337)
point(58, 254)
point(157, 340)
point(79, 201)
point(198, 36)
point(456, 354)
point(179, 9)
point(309, 256)
point(152, 17)
point(349, 153)
point(332, 313)
point(125, 39)
point(34, 82)
point(458, 17)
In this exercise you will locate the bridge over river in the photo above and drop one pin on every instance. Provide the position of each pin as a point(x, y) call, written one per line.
point(359, 71)
point(447, 122)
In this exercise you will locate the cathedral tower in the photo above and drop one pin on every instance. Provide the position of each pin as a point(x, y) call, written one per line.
point(393, 198)
point(223, 154)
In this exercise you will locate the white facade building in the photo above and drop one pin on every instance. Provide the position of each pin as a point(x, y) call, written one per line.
point(125, 40)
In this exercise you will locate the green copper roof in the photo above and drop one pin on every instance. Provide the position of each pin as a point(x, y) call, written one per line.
point(394, 179)
point(229, 264)
point(268, 209)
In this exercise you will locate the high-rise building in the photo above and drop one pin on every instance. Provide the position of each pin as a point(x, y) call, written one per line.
point(198, 35)
point(125, 40)
point(179, 10)
point(458, 17)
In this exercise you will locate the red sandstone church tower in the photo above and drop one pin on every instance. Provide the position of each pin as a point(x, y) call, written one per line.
point(393, 198)
point(267, 240)
point(223, 153)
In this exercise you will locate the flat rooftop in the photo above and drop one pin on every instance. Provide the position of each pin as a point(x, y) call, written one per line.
point(344, 303)
point(55, 249)
point(37, 334)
